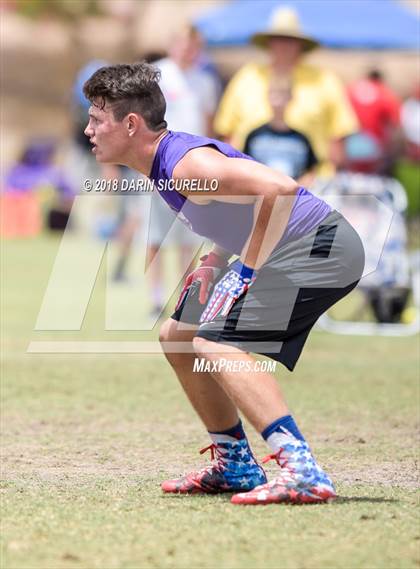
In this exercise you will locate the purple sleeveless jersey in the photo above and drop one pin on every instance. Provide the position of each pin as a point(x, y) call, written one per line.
point(227, 225)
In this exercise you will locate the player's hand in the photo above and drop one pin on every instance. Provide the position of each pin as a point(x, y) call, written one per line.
point(210, 268)
point(227, 291)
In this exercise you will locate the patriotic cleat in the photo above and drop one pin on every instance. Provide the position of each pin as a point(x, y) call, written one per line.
point(301, 480)
point(233, 468)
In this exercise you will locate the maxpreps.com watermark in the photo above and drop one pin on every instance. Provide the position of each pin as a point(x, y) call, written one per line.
point(223, 364)
point(145, 185)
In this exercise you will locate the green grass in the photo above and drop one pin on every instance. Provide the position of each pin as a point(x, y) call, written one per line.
point(86, 440)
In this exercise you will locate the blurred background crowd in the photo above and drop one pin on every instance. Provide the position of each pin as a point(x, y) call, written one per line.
point(328, 93)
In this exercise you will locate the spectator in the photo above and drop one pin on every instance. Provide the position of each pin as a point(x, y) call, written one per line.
point(79, 162)
point(319, 107)
point(191, 91)
point(278, 146)
point(378, 112)
point(20, 207)
point(376, 106)
point(191, 94)
point(80, 105)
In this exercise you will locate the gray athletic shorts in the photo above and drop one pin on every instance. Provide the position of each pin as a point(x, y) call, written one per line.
point(299, 282)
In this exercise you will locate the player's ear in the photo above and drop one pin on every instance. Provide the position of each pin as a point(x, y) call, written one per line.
point(133, 123)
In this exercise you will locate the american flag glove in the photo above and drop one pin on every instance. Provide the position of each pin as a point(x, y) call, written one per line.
point(232, 286)
point(205, 275)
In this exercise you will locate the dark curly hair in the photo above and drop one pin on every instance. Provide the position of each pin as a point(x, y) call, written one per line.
point(129, 88)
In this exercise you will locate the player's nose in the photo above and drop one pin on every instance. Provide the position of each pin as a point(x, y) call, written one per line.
point(88, 130)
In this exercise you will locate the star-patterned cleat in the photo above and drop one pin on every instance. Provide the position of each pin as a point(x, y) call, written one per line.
point(300, 481)
point(233, 469)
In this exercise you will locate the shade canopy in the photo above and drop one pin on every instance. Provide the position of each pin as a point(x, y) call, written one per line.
point(351, 24)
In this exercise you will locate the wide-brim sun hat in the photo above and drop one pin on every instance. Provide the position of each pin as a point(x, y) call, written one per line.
point(284, 23)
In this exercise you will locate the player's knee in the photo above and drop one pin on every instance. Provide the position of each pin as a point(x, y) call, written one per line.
point(201, 345)
point(166, 333)
point(169, 334)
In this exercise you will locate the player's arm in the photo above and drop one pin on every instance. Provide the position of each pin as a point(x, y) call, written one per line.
point(220, 252)
point(244, 181)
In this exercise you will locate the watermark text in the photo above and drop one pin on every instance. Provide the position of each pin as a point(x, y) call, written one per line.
point(237, 366)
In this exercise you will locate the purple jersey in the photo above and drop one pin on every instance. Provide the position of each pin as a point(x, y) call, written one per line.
point(226, 224)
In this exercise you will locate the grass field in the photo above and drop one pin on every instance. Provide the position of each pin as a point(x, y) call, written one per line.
point(86, 440)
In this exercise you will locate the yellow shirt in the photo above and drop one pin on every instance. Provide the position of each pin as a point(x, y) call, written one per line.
point(319, 107)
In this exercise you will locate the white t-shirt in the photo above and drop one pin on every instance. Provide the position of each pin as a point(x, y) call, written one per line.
point(191, 95)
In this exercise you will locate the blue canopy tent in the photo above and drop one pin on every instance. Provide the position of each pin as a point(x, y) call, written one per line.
point(355, 24)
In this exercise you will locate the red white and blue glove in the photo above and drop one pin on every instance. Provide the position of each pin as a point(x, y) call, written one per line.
point(233, 285)
point(205, 275)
